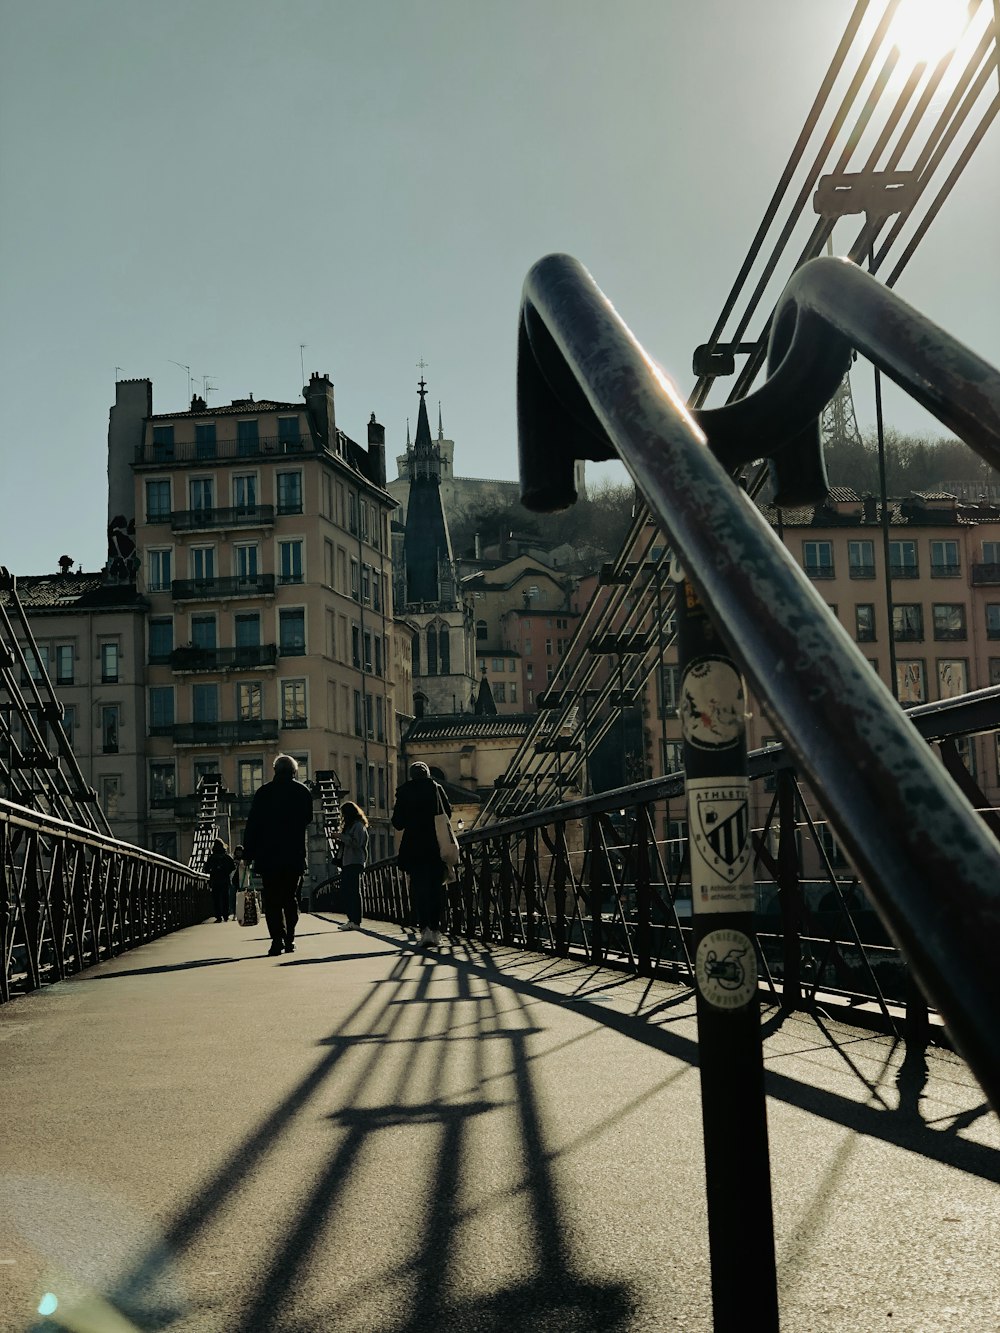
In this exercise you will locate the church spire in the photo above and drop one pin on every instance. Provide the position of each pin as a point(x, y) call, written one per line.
point(427, 543)
point(422, 446)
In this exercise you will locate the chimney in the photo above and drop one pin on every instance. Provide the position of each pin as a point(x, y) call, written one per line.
point(869, 506)
point(376, 452)
point(318, 394)
point(126, 427)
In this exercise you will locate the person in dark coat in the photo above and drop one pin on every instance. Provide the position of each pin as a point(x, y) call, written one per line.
point(417, 803)
point(275, 845)
point(219, 868)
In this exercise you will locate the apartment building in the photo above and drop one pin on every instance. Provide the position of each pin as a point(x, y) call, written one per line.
point(262, 543)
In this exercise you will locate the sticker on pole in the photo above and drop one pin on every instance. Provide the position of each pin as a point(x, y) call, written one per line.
point(725, 969)
point(712, 705)
point(721, 849)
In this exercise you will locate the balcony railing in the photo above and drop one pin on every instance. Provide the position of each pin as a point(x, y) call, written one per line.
point(950, 635)
point(945, 569)
point(986, 573)
point(903, 571)
point(819, 571)
point(224, 659)
point(238, 585)
point(862, 571)
point(247, 732)
point(189, 451)
point(294, 723)
point(236, 516)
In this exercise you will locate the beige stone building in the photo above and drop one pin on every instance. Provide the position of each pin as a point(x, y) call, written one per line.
point(90, 634)
point(263, 551)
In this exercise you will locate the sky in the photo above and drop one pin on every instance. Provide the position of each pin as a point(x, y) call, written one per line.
point(216, 182)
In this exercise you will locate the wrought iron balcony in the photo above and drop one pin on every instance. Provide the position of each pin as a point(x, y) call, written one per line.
point(819, 571)
point(899, 571)
point(986, 573)
point(191, 451)
point(247, 658)
point(235, 516)
point(945, 569)
point(862, 571)
point(244, 732)
point(239, 585)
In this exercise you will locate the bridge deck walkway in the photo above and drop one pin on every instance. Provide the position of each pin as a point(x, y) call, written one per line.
point(361, 1136)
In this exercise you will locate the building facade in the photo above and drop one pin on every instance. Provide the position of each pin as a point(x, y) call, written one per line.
point(262, 546)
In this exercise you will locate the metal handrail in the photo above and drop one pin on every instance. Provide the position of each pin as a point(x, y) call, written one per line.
point(584, 379)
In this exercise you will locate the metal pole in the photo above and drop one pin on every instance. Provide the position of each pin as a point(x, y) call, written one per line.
point(737, 1167)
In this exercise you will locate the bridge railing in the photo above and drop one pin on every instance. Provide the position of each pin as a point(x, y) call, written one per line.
point(71, 897)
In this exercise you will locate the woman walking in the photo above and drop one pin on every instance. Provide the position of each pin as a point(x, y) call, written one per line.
point(219, 868)
point(418, 802)
point(354, 847)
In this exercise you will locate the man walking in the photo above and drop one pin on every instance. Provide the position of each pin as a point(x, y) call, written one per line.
point(417, 803)
point(275, 844)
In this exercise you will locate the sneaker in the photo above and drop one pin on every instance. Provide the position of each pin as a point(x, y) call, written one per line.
point(347, 925)
point(354, 925)
point(274, 950)
point(289, 948)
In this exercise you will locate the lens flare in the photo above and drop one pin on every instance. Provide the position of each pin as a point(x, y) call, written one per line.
point(925, 30)
point(49, 1304)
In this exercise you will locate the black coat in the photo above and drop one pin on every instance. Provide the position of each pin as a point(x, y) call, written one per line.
point(219, 868)
point(414, 811)
point(275, 837)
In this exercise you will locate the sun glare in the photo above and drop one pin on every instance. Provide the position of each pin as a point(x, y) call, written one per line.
point(926, 30)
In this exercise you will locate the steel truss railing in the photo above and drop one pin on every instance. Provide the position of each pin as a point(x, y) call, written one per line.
point(929, 863)
point(71, 897)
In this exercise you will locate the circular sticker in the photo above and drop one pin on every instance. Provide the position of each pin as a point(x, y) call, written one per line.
point(725, 968)
point(712, 705)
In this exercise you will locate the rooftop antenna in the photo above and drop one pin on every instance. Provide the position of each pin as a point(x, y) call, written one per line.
point(302, 361)
point(207, 388)
point(185, 368)
point(118, 371)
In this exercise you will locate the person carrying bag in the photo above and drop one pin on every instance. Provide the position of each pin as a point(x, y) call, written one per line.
point(353, 859)
point(247, 911)
point(420, 805)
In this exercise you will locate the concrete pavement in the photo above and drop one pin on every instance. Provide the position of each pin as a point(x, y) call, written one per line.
point(361, 1136)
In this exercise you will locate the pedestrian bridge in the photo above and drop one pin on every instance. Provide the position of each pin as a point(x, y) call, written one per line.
point(365, 1136)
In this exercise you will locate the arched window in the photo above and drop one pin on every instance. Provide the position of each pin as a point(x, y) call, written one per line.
point(444, 650)
point(432, 651)
point(482, 631)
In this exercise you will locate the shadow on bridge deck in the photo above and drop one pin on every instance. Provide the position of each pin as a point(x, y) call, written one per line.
point(362, 1136)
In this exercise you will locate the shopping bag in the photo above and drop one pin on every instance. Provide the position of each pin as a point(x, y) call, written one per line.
point(446, 840)
point(246, 900)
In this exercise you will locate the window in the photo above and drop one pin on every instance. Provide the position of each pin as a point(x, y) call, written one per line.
point(903, 560)
point(249, 701)
point(202, 563)
point(529, 672)
point(371, 784)
point(367, 638)
point(162, 782)
point(995, 671)
point(165, 844)
point(292, 632)
point(670, 685)
point(290, 562)
point(432, 651)
point(355, 580)
point(249, 773)
point(861, 560)
point(161, 640)
point(204, 768)
point(358, 714)
point(376, 590)
point(966, 747)
point(673, 756)
point(157, 501)
point(203, 632)
point(64, 664)
point(944, 560)
point(817, 559)
point(548, 647)
point(163, 444)
point(527, 647)
point(36, 666)
point(379, 718)
point(381, 788)
point(949, 620)
point(356, 647)
point(444, 651)
point(289, 492)
point(69, 720)
point(511, 665)
point(364, 521)
point(110, 726)
point(202, 492)
point(991, 553)
point(293, 703)
point(204, 439)
point(161, 710)
point(352, 512)
point(288, 434)
point(830, 845)
point(205, 703)
point(366, 583)
point(513, 691)
point(953, 677)
point(369, 717)
point(158, 570)
point(549, 674)
point(246, 561)
point(908, 622)
point(359, 782)
point(247, 628)
point(496, 664)
point(245, 490)
point(864, 622)
point(109, 663)
point(910, 684)
point(675, 844)
point(378, 654)
point(993, 620)
point(500, 692)
point(247, 438)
